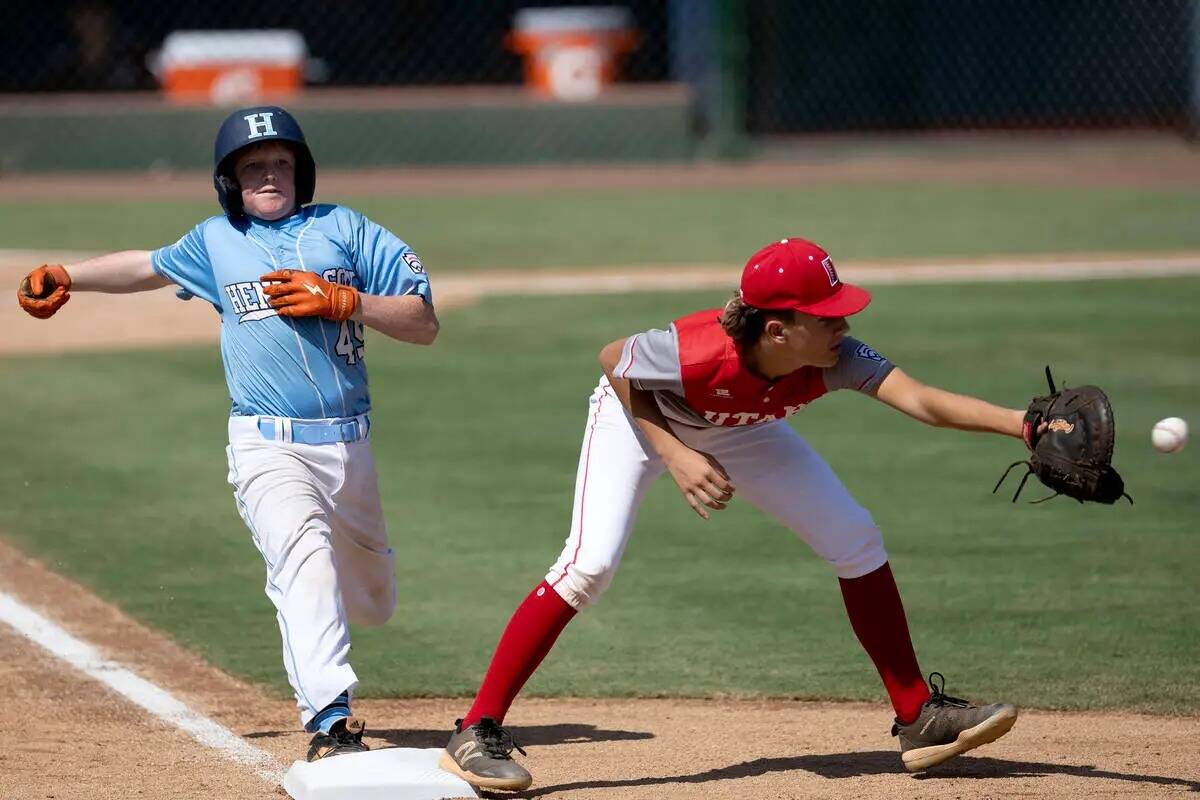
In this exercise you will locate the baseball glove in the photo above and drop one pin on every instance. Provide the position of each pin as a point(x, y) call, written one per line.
point(1072, 453)
point(44, 291)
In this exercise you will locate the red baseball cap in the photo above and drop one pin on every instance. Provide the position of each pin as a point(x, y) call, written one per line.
point(797, 274)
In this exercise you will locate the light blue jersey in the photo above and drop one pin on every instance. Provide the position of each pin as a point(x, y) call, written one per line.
point(304, 368)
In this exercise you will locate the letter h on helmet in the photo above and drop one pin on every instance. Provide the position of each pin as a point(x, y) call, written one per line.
point(249, 126)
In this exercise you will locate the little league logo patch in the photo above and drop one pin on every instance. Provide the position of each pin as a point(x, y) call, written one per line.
point(867, 353)
point(413, 262)
point(827, 263)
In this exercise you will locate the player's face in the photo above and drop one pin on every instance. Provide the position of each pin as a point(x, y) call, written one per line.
point(814, 341)
point(267, 175)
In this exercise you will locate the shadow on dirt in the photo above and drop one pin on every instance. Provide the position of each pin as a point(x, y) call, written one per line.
point(877, 762)
point(525, 735)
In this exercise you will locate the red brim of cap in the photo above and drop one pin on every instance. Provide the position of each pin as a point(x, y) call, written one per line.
point(847, 300)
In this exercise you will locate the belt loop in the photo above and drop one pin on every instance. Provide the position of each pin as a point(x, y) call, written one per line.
point(285, 429)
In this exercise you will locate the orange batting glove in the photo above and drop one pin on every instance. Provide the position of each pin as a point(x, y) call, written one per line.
point(44, 291)
point(306, 294)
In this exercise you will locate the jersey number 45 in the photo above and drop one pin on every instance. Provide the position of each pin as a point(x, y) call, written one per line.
point(350, 342)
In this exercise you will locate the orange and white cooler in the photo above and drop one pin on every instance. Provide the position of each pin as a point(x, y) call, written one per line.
point(227, 67)
point(572, 52)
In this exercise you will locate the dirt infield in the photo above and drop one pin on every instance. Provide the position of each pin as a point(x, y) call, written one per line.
point(79, 740)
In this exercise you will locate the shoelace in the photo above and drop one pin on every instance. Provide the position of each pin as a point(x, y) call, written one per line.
point(497, 741)
point(938, 696)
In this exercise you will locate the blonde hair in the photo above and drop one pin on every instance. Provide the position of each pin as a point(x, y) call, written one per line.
point(745, 323)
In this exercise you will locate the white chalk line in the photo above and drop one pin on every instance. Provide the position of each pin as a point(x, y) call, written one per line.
point(85, 658)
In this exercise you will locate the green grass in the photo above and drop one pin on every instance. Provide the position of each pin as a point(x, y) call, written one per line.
point(114, 474)
point(543, 229)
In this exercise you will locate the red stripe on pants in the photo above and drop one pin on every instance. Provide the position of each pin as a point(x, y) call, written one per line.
point(587, 466)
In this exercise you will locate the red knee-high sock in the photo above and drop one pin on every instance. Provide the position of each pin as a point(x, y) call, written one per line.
point(877, 616)
point(530, 634)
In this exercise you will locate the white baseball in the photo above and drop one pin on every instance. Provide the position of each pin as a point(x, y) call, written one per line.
point(1169, 435)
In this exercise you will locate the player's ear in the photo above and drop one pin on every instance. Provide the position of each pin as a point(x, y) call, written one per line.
point(775, 329)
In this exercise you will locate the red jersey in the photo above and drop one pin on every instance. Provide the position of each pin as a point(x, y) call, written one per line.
point(699, 378)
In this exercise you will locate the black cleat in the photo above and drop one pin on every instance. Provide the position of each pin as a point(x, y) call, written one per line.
point(344, 737)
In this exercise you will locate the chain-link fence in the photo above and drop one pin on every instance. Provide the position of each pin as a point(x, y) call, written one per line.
point(503, 81)
point(925, 64)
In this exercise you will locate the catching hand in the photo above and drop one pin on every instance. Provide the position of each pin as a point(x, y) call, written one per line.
point(44, 291)
point(294, 293)
point(1071, 433)
point(701, 479)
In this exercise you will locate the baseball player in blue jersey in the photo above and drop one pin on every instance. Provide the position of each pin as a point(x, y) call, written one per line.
point(294, 285)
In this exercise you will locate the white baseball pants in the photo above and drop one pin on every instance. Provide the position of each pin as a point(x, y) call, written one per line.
point(771, 466)
point(314, 513)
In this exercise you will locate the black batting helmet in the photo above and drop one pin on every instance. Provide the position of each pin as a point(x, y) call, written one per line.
point(248, 126)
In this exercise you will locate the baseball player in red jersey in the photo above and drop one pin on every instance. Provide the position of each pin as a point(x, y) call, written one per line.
point(705, 401)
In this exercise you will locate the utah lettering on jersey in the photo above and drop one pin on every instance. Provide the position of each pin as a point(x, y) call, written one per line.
point(734, 419)
point(248, 301)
